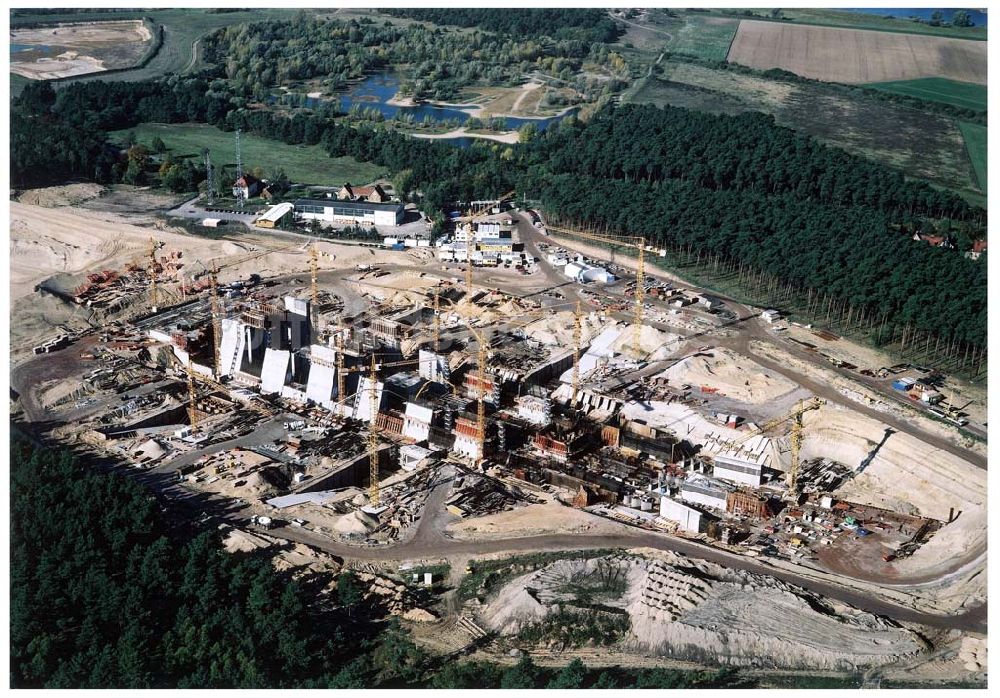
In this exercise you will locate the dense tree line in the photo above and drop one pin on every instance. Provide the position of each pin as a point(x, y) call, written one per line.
point(101, 596)
point(747, 152)
point(105, 595)
point(591, 25)
point(849, 253)
point(438, 63)
point(738, 186)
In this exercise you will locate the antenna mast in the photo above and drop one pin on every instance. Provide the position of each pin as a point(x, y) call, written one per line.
point(239, 172)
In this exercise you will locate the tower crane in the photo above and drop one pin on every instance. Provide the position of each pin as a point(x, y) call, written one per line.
point(216, 317)
point(373, 485)
point(577, 332)
point(795, 416)
point(192, 394)
point(153, 247)
point(314, 287)
point(637, 243)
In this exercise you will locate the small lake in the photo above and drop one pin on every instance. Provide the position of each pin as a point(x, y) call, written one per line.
point(376, 90)
point(24, 48)
point(978, 18)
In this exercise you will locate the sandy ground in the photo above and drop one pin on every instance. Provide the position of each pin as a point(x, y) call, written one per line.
point(68, 243)
point(535, 520)
point(908, 476)
point(856, 55)
point(507, 137)
point(79, 40)
point(735, 376)
point(61, 66)
point(971, 397)
point(689, 609)
point(860, 394)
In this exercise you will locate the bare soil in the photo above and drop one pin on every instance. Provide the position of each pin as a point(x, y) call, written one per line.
point(856, 55)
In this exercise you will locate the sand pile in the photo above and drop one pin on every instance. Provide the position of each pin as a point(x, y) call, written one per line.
point(689, 609)
point(973, 653)
point(299, 556)
point(240, 541)
point(557, 330)
point(654, 344)
point(67, 195)
point(734, 375)
point(354, 524)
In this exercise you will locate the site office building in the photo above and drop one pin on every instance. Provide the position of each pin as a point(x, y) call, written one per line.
point(360, 212)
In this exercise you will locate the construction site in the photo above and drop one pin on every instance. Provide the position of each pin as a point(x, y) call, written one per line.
point(370, 409)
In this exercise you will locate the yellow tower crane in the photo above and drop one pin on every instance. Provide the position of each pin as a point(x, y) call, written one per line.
point(797, 434)
point(437, 318)
point(192, 395)
point(577, 332)
point(341, 382)
point(470, 244)
point(216, 318)
point(153, 246)
point(314, 287)
point(637, 243)
point(373, 489)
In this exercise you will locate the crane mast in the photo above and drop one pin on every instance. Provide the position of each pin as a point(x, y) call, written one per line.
point(152, 272)
point(192, 394)
point(640, 293)
point(373, 491)
point(437, 319)
point(314, 288)
point(216, 318)
point(577, 331)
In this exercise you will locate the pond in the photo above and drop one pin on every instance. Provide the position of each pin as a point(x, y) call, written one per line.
point(24, 48)
point(376, 90)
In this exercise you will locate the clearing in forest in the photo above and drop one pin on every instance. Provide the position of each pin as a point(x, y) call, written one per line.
point(304, 164)
point(855, 55)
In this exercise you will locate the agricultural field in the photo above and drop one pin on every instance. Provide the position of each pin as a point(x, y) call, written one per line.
point(864, 20)
point(975, 142)
point(304, 164)
point(881, 131)
point(703, 36)
point(856, 56)
point(966, 95)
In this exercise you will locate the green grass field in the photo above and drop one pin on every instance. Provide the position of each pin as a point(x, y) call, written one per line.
point(861, 20)
point(704, 37)
point(304, 164)
point(975, 143)
point(960, 94)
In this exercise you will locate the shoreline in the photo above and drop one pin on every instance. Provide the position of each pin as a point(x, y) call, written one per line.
point(473, 110)
point(508, 137)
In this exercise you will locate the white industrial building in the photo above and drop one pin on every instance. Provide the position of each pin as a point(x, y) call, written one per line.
point(417, 421)
point(707, 491)
point(741, 470)
point(687, 517)
point(360, 212)
point(533, 409)
point(586, 273)
point(411, 457)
